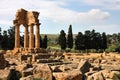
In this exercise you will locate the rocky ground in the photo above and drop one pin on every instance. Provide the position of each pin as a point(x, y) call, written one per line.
point(59, 66)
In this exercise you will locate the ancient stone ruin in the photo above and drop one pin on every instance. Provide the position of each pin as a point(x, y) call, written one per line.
point(28, 20)
point(52, 65)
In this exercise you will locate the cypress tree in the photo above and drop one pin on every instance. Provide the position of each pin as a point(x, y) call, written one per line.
point(5, 40)
point(70, 38)
point(41, 42)
point(87, 37)
point(93, 42)
point(11, 37)
point(1, 37)
point(45, 42)
point(62, 40)
point(104, 41)
point(97, 40)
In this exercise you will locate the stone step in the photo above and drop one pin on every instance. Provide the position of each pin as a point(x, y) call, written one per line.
point(47, 60)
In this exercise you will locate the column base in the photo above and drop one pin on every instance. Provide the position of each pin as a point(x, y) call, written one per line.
point(28, 50)
point(31, 50)
point(37, 50)
point(16, 50)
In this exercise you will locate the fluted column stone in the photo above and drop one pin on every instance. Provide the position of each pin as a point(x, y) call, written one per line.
point(26, 37)
point(37, 37)
point(31, 42)
point(17, 36)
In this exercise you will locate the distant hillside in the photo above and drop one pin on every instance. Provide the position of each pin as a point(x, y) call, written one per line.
point(50, 36)
point(54, 36)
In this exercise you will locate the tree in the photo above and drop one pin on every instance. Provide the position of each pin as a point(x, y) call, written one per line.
point(11, 37)
point(44, 45)
point(5, 40)
point(70, 38)
point(79, 42)
point(93, 41)
point(41, 42)
point(62, 40)
point(22, 40)
point(87, 37)
point(98, 41)
point(1, 37)
point(119, 37)
point(104, 41)
point(113, 42)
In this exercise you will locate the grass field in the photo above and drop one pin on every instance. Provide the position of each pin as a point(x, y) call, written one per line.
point(53, 40)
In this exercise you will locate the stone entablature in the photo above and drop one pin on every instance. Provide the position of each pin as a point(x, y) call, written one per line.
point(27, 19)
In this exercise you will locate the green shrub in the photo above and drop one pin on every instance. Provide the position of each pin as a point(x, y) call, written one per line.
point(116, 77)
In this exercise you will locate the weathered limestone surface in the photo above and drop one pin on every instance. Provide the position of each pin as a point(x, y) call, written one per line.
point(95, 68)
point(17, 35)
point(42, 71)
point(27, 78)
point(84, 66)
point(37, 38)
point(3, 62)
point(5, 74)
point(26, 40)
point(31, 37)
point(61, 68)
point(23, 67)
point(68, 75)
point(96, 76)
point(27, 72)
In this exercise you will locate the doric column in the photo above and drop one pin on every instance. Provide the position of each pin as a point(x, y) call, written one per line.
point(31, 42)
point(37, 37)
point(17, 36)
point(26, 37)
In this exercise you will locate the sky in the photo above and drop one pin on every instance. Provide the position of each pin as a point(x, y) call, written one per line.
point(57, 15)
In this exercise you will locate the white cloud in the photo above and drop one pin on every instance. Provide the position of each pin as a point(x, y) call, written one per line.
point(5, 22)
point(51, 10)
point(108, 28)
point(108, 4)
point(54, 10)
point(93, 15)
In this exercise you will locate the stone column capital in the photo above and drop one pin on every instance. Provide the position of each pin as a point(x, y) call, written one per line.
point(25, 25)
point(15, 22)
point(31, 25)
point(38, 24)
point(16, 25)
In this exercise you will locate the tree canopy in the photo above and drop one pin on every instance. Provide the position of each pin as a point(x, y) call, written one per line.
point(70, 38)
point(62, 40)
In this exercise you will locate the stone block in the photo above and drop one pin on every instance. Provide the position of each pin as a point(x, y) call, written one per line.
point(27, 72)
point(5, 74)
point(68, 75)
point(42, 71)
point(84, 66)
point(96, 76)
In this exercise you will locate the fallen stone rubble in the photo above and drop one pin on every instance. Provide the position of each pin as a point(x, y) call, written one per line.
point(97, 67)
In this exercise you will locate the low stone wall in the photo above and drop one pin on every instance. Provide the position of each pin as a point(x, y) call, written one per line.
point(35, 57)
point(91, 55)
